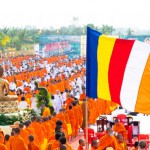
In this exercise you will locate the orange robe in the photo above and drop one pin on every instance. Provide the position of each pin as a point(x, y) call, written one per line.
point(18, 143)
point(38, 131)
point(7, 143)
point(3, 147)
point(107, 141)
point(77, 116)
point(31, 131)
point(80, 148)
point(48, 128)
point(24, 134)
point(81, 115)
point(82, 96)
point(69, 101)
point(92, 148)
point(46, 112)
point(61, 117)
point(33, 146)
point(71, 116)
point(122, 146)
point(119, 127)
point(1, 137)
point(55, 145)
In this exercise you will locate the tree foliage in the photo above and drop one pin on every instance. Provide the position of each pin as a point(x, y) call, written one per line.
point(19, 37)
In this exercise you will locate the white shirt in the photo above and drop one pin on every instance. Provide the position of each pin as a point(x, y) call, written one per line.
point(12, 86)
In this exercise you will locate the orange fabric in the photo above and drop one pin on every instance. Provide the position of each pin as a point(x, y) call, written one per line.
point(33, 146)
point(92, 148)
point(24, 134)
point(81, 115)
point(46, 112)
point(61, 117)
point(52, 136)
point(7, 143)
point(1, 137)
point(122, 146)
point(133, 148)
point(44, 130)
point(3, 147)
point(119, 127)
point(48, 128)
point(71, 116)
point(107, 141)
point(77, 116)
point(38, 130)
point(55, 145)
point(82, 96)
point(68, 147)
point(53, 124)
point(142, 102)
point(92, 111)
point(80, 148)
point(69, 101)
point(18, 143)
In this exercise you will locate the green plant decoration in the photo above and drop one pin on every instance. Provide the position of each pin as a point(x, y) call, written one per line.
point(43, 97)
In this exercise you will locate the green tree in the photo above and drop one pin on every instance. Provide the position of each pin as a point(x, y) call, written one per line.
point(106, 29)
point(129, 32)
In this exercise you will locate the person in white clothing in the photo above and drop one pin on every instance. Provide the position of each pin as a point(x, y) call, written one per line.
point(33, 102)
point(57, 97)
point(12, 86)
point(23, 104)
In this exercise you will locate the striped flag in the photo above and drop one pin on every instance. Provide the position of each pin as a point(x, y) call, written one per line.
point(118, 70)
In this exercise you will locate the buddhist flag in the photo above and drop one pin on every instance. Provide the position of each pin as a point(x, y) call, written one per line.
point(118, 70)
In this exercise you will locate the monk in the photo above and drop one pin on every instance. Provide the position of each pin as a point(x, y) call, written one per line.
point(81, 115)
point(23, 133)
point(63, 142)
point(77, 116)
point(108, 140)
point(32, 145)
point(52, 123)
point(18, 143)
point(3, 147)
point(71, 116)
point(46, 111)
point(83, 95)
point(7, 143)
point(81, 144)
point(54, 144)
point(61, 117)
point(39, 121)
point(69, 100)
point(31, 131)
point(1, 137)
point(38, 130)
point(54, 118)
point(94, 145)
point(121, 143)
point(120, 129)
point(136, 144)
point(47, 126)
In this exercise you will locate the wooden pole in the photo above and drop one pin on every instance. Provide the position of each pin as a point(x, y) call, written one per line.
point(86, 125)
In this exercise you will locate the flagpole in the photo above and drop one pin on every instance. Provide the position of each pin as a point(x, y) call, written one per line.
point(86, 124)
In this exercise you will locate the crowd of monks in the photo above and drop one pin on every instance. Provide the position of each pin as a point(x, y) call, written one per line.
point(51, 131)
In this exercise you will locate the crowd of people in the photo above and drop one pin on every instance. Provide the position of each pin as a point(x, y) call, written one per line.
point(65, 80)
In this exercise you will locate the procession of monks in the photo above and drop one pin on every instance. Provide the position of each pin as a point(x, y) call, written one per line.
point(51, 131)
